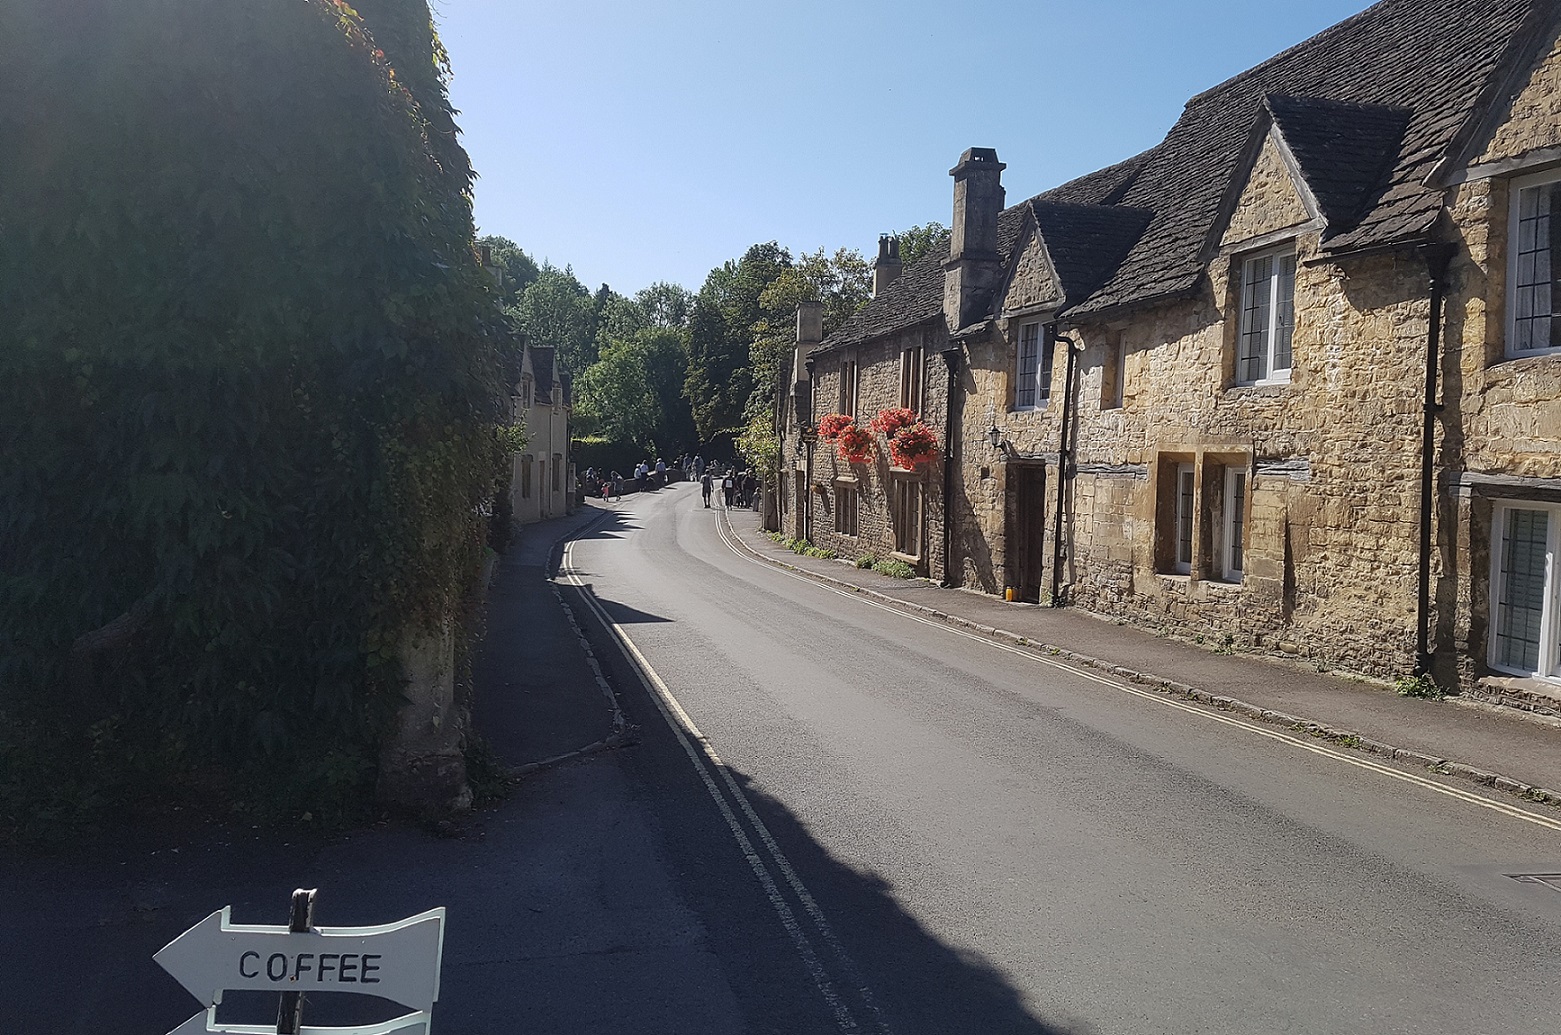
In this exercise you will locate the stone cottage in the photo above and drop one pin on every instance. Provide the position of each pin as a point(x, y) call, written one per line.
point(1289, 380)
point(543, 478)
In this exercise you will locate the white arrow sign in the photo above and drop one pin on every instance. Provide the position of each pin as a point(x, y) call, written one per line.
point(398, 961)
point(206, 1024)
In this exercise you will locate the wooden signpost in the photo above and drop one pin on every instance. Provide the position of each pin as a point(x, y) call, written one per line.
point(398, 961)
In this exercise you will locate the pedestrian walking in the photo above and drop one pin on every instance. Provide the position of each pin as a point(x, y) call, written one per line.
point(728, 488)
point(706, 486)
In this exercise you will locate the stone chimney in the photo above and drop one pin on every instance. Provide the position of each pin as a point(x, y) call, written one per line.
point(887, 269)
point(810, 332)
point(972, 270)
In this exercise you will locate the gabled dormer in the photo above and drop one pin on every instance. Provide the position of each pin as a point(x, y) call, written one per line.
point(1065, 251)
point(1310, 165)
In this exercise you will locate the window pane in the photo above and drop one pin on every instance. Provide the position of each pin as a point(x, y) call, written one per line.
point(1252, 355)
point(1029, 361)
point(1284, 318)
point(1533, 270)
point(1520, 601)
point(1237, 508)
point(1184, 518)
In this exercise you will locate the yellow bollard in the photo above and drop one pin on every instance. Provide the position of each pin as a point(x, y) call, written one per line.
point(1008, 594)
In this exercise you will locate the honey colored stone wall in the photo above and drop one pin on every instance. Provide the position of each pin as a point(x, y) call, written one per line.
point(1034, 281)
point(1269, 200)
point(1331, 460)
point(1533, 116)
point(878, 380)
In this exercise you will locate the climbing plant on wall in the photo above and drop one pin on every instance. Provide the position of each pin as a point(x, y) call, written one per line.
point(247, 394)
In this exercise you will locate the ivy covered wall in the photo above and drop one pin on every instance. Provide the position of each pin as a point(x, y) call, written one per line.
point(247, 388)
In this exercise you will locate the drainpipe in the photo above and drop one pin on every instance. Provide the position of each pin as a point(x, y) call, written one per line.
point(1437, 256)
point(1064, 455)
point(951, 362)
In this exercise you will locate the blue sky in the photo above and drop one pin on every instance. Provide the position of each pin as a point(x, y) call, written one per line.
point(645, 141)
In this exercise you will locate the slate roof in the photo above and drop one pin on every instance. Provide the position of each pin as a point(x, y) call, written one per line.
point(542, 357)
point(1087, 242)
point(1344, 151)
point(917, 295)
point(1436, 58)
point(1369, 107)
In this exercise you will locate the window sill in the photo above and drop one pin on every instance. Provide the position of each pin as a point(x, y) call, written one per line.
point(1509, 680)
point(1259, 389)
point(909, 558)
point(1526, 693)
point(1511, 364)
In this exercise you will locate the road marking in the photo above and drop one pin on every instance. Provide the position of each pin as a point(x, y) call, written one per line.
point(705, 758)
point(730, 540)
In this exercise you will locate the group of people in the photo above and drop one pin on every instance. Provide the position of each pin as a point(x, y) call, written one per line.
point(600, 483)
point(738, 488)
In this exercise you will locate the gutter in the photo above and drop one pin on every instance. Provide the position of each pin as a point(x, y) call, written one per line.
point(1437, 256)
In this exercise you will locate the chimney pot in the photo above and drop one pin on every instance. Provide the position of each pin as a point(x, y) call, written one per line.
point(887, 269)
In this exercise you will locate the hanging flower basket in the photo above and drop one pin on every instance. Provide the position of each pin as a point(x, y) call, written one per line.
point(913, 445)
point(856, 445)
point(889, 422)
point(832, 424)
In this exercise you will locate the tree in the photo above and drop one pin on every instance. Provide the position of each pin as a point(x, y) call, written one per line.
point(634, 392)
point(666, 304)
point(721, 333)
point(919, 240)
point(520, 270)
point(556, 310)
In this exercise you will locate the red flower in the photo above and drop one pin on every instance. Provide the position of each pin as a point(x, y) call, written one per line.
point(856, 445)
point(912, 445)
point(890, 421)
point(832, 424)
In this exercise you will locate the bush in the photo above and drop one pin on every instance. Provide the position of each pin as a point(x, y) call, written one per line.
point(895, 569)
point(864, 561)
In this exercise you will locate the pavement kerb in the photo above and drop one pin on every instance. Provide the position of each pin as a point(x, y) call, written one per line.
point(1175, 688)
point(624, 733)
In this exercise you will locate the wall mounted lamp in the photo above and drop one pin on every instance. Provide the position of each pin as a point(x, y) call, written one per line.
point(994, 437)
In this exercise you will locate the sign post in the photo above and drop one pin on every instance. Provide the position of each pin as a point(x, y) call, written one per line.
point(398, 961)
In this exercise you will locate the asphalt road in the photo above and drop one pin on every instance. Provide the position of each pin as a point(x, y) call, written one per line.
point(881, 824)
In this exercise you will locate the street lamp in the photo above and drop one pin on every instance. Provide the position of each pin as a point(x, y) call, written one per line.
point(994, 437)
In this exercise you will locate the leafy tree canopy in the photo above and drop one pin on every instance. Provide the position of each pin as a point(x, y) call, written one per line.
point(556, 310)
point(919, 240)
point(520, 270)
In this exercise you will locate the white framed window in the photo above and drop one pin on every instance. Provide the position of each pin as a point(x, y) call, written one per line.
point(1033, 371)
point(1267, 318)
point(1525, 609)
point(845, 507)
point(905, 500)
point(1233, 531)
point(912, 361)
point(848, 387)
point(1185, 501)
point(1533, 291)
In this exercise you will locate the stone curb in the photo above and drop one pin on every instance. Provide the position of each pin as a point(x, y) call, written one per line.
point(1175, 688)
